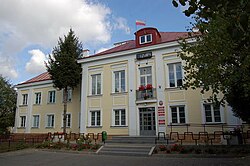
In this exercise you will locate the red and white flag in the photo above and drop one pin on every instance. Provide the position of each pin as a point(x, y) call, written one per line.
point(138, 22)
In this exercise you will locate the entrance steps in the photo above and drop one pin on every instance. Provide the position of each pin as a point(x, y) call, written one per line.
point(130, 146)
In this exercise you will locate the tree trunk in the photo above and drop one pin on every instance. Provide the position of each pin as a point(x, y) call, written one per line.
point(65, 98)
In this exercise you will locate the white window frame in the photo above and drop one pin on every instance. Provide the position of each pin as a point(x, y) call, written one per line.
point(146, 75)
point(22, 123)
point(90, 118)
point(53, 97)
point(178, 113)
point(38, 100)
point(175, 75)
point(212, 113)
point(47, 121)
point(113, 116)
point(25, 99)
point(67, 114)
point(35, 125)
point(145, 39)
point(69, 97)
point(91, 80)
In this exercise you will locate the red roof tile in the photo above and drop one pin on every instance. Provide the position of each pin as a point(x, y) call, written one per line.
point(42, 77)
point(130, 44)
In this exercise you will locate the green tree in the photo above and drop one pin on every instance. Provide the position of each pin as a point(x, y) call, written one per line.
point(7, 104)
point(220, 59)
point(63, 67)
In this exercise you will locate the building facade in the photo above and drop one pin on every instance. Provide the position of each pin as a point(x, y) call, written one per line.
point(132, 89)
point(40, 107)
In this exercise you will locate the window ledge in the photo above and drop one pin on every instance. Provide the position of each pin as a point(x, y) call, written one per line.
point(173, 88)
point(118, 126)
point(23, 105)
point(52, 103)
point(179, 124)
point(118, 93)
point(49, 127)
point(213, 123)
point(34, 127)
point(94, 126)
point(100, 95)
point(36, 104)
point(66, 127)
point(21, 127)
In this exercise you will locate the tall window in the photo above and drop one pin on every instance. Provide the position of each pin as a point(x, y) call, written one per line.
point(212, 113)
point(119, 117)
point(178, 114)
point(119, 77)
point(22, 121)
point(175, 74)
point(52, 96)
point(25, 99)
point(69, 96)
point(68, 120)
point(146, 75)
point(35, 121)
point(95, 118)
point(146, 38)
point(38, 98)
point(50, 120)
point(96, 84)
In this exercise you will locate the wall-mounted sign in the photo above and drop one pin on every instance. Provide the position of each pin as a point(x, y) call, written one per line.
point(161, 115)
point(144, 55)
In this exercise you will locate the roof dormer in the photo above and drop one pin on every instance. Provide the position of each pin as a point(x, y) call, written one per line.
point(147, 36)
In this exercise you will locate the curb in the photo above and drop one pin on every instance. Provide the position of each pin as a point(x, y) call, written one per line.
point(198, 156)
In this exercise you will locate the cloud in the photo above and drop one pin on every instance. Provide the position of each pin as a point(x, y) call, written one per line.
point(36, 62)
point(29, 22)
point(121, 23)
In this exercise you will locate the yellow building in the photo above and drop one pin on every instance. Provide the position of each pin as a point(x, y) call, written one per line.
point(40, 107)
point(132, 89)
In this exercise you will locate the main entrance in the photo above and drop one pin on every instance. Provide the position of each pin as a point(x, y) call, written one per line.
point(147, 121)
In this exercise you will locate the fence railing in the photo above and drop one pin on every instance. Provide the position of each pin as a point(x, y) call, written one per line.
point(207, 133)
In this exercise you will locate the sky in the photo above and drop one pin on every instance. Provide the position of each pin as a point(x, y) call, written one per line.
point(29, 29)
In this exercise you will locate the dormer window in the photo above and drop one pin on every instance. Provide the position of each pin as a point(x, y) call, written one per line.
point(146, 39)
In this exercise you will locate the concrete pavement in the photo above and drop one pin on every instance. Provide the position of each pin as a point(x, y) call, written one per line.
point(34, 157)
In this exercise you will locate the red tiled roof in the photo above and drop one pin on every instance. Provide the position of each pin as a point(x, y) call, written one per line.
point(130, 44)
point(42, 77)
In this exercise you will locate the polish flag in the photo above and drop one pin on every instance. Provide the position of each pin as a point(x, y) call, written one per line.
point(138, 22)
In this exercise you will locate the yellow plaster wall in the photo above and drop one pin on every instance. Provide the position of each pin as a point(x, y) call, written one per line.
point(107, 101)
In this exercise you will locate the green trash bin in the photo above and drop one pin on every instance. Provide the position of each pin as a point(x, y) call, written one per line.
point(104, 136)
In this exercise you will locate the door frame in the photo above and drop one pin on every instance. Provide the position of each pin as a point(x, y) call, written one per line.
point(155, 119)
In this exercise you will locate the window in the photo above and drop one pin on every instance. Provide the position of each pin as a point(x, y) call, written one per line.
point(175, 74)
point(178, 114)
point(25, 99)
point(212, 113)
point(119, 117)
point(146, 39)
point(38, 96)
point(35, 121)
point(145, 75)
point(68, 120)
point(50, 121)
point(95, 118)
point(96, 84)
point(119, 78)
point(69, 97)
point(22, 121)
point(52, 96)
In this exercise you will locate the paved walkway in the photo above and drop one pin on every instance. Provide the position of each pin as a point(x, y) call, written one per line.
point(33, 157)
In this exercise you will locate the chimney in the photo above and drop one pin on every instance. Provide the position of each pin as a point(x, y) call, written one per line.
point(85, 53)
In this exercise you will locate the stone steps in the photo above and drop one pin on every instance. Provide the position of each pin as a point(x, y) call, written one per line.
point(130, 146)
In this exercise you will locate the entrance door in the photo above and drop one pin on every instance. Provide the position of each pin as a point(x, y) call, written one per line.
point(147, 121)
